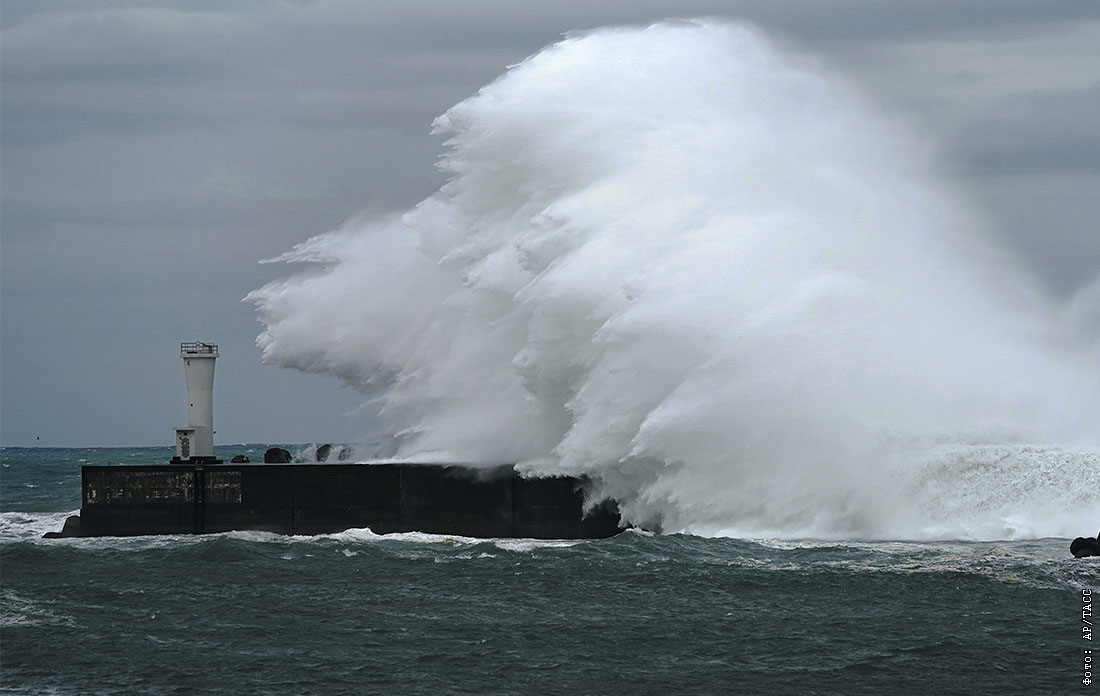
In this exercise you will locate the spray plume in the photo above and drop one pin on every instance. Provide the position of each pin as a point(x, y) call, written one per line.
point(710, 275)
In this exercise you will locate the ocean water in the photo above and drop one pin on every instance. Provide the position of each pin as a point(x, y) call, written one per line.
point(641, 613)
point(704, 270)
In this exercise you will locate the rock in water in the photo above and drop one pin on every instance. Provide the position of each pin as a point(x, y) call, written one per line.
point(1084, 546)
point(71, 529)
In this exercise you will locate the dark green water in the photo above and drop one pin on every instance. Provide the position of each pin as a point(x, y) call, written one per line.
point(356, 613)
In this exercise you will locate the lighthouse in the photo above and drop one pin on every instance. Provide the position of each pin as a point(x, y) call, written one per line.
point(195, 442)
point(198, 494)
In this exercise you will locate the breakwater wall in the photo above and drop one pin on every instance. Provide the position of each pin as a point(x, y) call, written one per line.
point(327, 498)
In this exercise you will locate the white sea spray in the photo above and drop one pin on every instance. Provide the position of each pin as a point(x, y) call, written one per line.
point(708, 273)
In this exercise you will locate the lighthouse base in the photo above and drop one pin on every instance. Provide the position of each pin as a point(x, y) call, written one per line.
point(195, 461)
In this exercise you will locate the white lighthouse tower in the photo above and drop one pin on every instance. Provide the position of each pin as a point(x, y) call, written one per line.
point(196, 440)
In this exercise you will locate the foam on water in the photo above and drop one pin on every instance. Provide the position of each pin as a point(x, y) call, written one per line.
point(708, 273)
point(19, 611)
point(29, 526)
point(1032, 563)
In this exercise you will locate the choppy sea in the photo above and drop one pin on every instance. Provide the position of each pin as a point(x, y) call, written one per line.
point(359, 613)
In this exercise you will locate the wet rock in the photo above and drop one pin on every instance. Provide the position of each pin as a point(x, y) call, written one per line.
point(71, 529)
point(277, 455)
point(1083, 547)
point(239, 459)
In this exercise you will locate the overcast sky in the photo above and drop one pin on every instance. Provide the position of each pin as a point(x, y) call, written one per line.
point(154, 152)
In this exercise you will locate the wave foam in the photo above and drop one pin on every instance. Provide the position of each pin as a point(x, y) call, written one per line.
point(708, 273)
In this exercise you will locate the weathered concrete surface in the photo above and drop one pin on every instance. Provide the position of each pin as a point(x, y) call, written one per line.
point(325, 498)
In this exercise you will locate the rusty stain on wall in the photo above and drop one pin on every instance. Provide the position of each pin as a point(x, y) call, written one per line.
point(223, 486)
point(122, 486)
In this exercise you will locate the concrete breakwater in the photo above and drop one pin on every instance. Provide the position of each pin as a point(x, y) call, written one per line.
point(326, 498)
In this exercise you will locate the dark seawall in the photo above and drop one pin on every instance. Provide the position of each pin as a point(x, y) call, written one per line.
point(327, 498)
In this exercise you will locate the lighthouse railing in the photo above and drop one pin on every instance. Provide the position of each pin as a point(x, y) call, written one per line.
point(199, 348)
